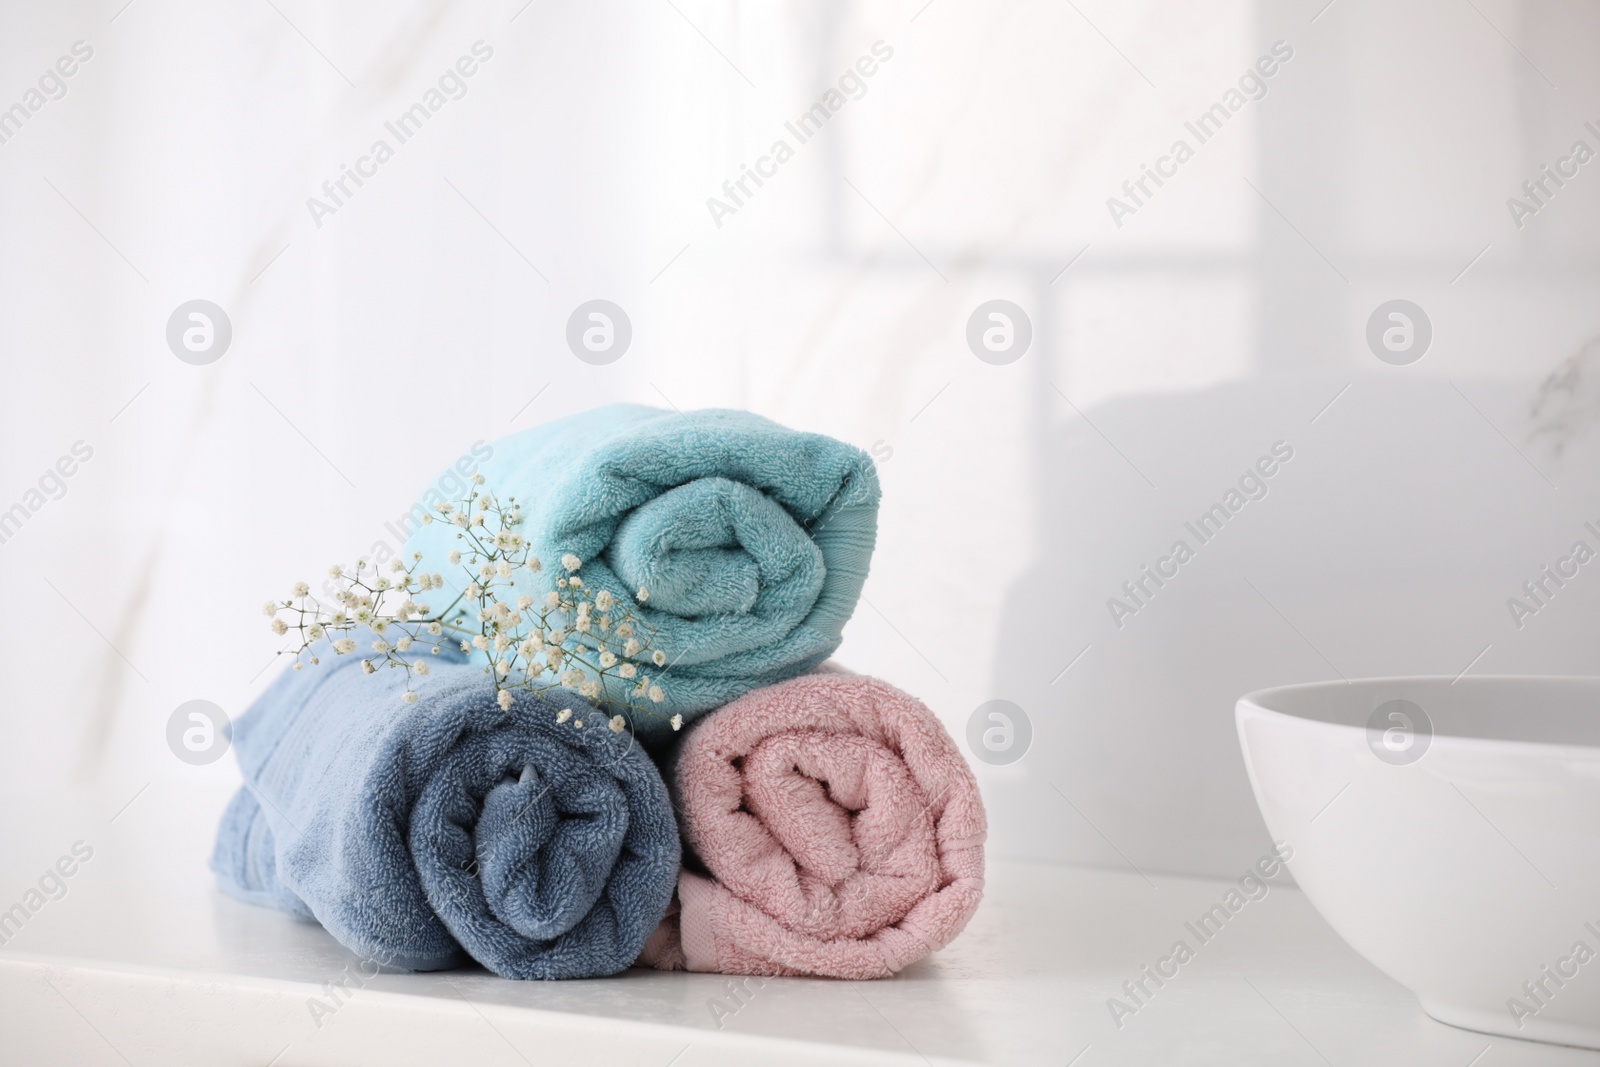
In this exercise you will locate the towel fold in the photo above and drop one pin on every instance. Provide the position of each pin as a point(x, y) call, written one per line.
point(752, 539)
point(839, 832)
point(422, 834)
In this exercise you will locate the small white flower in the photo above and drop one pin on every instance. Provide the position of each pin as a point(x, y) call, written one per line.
point(644, 594)
point(608, 659)
point(403, 644)
point(571, 679)
point(658, 657)
point(434, 629)
point(380, 647)
point(269, 608)
point(534, 565)
point(460, 519)
point(627, 670)
point(501, 642)
point(571, 562)
point(504, 700)
point(409, 697)
point(503, 568)
point(421, 666)
point(625, 630)
point(474, 591)
point(427, 520)
point(556, 637)
point(590, 689)
point(344, 645)
point(397, 565)
point(677, 722)
point(335, 571)
point(379, 625)
point(297, 666)
point(444, 507)
point(630, 647)
point(438, 580)
point(477, 479)
point(574, 581)
point(314, 632)
point(480, 642)
point(503, 667)
point(478, 518)
point(454, 557)
point(367, 667)
point(578, 724)
point(465, 647)
point(603, 600)
point(279, 627)
point(582, 624)
point(563, 715)
point(524, 602)
point(555, 656)
point(552, 598)
point(656, 695)
point(302, 589)
point(617, 724)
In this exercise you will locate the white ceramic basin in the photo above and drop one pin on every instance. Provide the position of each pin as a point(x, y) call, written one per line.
point(1464, 861)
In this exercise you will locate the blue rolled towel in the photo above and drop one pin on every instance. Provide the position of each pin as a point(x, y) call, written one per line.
point(752, 539)
point(422, 834)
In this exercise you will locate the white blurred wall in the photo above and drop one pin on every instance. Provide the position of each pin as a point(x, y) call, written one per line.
point(429, 311)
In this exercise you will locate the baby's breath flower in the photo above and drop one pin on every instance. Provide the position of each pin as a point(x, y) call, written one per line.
point(617, 724)
point(574, 581)
point(480, 642)
point(279, 627)
point(524, 602)
point(454, 557)
point(581, 624)
point(477, 479)
point(571, 679)
point(474, 591)
point(421, 666)
point(630, 647)
point(563, 715)
point(409, 697)
point(269, 608)
point(644, 594)
point(335, 571)
point(403, 643)
point(367, 667)
point(534, 565)
point(466, 647)
point(656, 695)
point(504, 699)
point(503, 568)
point(658, 657)
point(603, 600)
point(590, 689)
point(314, 631)
point(380, 647)
point(434, 629)
point(552, 598)
point(608, 659)
point(302, 589)
point(397, 565)
point(571, 562)
point(677, 722)
point(344, 645)
point(627, 670)
point(460, 519)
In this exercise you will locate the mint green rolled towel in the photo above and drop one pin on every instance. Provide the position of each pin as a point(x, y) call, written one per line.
point(753, 539)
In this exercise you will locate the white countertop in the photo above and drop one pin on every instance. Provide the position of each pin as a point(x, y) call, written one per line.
point(144, 962)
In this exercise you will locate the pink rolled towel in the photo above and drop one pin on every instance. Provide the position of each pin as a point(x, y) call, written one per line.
point(840, 827)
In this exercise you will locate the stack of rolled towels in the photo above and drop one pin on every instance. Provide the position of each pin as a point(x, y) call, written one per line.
point(804, 821)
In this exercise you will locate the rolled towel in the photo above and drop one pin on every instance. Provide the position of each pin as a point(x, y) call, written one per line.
point(753, 540)
point(839, 832)
point(422, 834)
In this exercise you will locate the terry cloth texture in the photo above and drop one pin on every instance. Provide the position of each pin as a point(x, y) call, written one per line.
point(839, 829)
point(752, 539)
point(422, 834)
